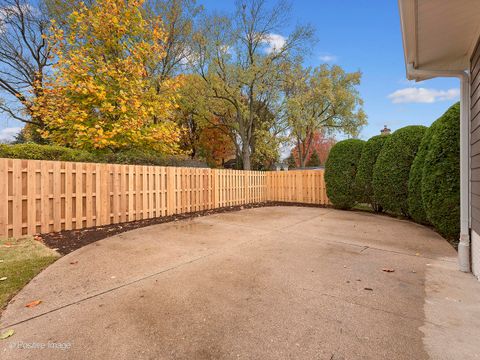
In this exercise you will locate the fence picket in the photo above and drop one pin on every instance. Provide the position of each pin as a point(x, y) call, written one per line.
point(4, 198)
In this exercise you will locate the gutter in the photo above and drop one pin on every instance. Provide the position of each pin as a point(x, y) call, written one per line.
point(423, 74)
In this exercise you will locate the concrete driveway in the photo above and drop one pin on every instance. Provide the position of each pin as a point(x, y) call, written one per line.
point(265, 283)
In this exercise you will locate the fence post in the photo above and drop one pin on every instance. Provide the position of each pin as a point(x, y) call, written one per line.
point(246, 196)
point(215, 187)
point(171, 206)
point(17, 197)
point(4, 197)
point(68, 194)
point(299, 186)
point(102, 200)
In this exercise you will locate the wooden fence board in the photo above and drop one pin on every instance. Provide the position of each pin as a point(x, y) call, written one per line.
point(4, 199)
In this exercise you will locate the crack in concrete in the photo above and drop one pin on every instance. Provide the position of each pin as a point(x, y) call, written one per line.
point(402, 316)
point(365, 247)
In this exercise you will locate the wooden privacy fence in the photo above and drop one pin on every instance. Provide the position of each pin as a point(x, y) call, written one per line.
point(302, 186)
point(43, 196)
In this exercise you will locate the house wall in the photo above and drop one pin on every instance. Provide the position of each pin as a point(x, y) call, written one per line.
point(475, 157)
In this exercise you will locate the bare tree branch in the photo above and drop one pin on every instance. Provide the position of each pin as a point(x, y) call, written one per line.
point(24, 57)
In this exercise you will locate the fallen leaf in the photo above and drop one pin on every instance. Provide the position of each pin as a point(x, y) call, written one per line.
point(33, 303)
point(388, 270)
point(7, 334)
point(367, 288)
point(3, 278)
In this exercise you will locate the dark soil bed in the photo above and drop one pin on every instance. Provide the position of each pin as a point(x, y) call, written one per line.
point(70, 240)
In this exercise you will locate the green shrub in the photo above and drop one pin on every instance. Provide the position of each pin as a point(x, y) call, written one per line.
point(340, 171)
point(392, 169)
point(134, 156)
point(415, 200)
point(44, 152)
point(139, 156)
point(441, 175)
point(363, 180)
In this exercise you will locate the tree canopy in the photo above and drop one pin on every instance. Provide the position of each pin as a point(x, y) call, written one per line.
point(168, 76)
point(99, 95)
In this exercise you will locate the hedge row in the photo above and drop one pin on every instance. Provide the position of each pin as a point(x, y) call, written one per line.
point(44, 152)
point(392, 169)
point(414, 173)
point(441, 176)
point(340, 172)
point(416, 209)
point(133, 156)
point(364, 176)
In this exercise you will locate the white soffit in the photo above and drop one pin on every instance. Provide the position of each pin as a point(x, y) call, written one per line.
point(439, 34)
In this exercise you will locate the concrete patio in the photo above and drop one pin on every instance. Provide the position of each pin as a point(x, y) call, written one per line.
point(266, 283)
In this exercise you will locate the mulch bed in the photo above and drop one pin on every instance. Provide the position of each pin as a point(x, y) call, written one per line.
point(70, 240)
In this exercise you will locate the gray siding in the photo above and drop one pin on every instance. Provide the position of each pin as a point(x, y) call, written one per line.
point(475, 137)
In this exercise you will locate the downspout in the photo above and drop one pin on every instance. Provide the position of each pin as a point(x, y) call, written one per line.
point(464, 241)
point(464, 244)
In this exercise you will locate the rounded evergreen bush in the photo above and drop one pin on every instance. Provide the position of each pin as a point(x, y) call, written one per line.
point(363, 180)
point(392, 169)
point(416, 208)
point(340, 172)
point(441, 175)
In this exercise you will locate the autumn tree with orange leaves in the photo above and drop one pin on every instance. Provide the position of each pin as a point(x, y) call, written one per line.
point(318, 144)
point(100, 95)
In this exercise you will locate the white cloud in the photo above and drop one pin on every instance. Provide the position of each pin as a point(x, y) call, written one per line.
point(328, 58)
point(423, 95)
point(8, 134)
point(274, 42)
point(408, 82)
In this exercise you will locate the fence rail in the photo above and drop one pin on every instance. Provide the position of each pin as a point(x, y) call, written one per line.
point(39, 196)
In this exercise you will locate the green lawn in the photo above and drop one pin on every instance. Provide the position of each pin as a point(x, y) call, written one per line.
point(20, 260)
point(363, 207)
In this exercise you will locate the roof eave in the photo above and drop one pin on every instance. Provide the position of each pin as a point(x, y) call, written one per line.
point(408, 23)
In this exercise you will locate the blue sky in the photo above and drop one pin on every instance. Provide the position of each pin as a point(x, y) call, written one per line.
point(360, 35)
point(365, 35)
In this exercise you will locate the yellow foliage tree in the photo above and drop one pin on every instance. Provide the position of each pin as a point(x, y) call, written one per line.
point(100, 95)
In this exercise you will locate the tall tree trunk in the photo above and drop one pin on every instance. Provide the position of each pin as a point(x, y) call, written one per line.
point(246, 157)
point(307, 143)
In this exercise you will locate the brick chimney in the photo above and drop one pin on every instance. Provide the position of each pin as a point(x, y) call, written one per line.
point(385, 130)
